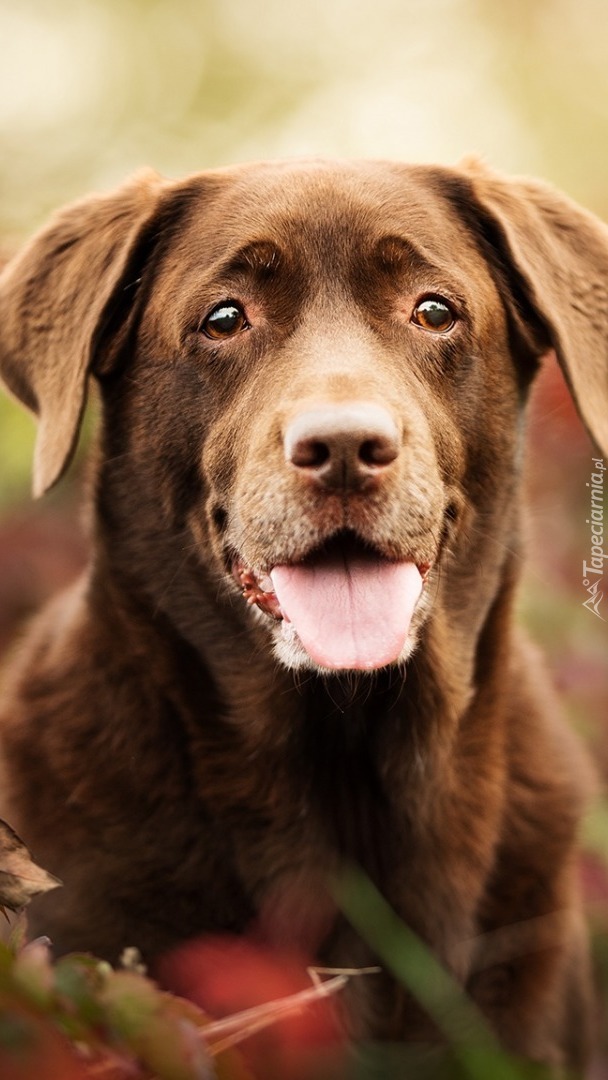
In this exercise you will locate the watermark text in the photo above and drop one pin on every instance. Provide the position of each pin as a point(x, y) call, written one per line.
point(594, 566)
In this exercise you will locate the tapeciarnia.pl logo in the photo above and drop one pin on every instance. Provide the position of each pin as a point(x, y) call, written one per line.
point(593, 571)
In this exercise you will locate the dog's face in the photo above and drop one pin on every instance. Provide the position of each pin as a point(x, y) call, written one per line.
point(314, 377)
point(337, 381)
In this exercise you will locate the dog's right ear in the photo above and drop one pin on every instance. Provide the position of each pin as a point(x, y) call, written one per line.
point(550, 259)
point(56, 298)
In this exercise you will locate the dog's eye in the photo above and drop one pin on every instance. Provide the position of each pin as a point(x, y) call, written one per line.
point(226, 320)
point(435, 314)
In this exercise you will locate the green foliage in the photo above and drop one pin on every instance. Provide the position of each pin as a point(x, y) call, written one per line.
point(82, 1016)
point(77, 1018)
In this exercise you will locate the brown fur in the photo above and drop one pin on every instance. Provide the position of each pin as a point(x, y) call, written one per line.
point(159, 759)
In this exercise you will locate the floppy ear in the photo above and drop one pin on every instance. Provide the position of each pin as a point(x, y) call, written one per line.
point(554, 257)
point(56, 297)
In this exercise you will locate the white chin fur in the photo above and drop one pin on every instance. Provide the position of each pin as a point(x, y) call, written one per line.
point(290, 652)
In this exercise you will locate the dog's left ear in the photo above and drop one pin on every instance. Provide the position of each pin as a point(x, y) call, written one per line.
point(58, 298)
point(553, 256)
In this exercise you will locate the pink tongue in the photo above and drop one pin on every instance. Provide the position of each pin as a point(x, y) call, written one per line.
point(349, 612)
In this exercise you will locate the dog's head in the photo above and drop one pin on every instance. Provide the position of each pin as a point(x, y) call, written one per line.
point(313, 376)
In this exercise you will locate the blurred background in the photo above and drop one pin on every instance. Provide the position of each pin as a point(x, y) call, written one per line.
point(90, 91)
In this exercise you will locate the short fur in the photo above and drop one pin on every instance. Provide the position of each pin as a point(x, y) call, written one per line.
point(160, 760)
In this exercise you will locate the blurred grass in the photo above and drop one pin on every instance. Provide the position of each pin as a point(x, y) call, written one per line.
point(17, 434)
point(475, 1053)
point(77, 1017)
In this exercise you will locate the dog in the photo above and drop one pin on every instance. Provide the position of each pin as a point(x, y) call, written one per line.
point(294, 646)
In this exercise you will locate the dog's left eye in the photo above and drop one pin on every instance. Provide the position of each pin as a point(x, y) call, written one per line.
point(434, 314)
point(226, 320)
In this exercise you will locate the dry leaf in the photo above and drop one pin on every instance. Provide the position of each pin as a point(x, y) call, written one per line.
point(20, 877)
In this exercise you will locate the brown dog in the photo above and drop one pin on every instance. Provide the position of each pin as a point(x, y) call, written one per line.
point(313, 379)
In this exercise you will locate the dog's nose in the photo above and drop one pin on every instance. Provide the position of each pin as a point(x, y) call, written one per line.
point(341, 446)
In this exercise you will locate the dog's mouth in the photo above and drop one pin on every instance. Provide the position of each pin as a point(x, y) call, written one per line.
point(350, 606)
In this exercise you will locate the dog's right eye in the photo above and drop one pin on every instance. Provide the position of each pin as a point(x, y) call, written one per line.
point(435, 314)
point(226, 320)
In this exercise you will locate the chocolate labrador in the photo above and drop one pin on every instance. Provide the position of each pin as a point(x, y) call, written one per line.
point(294, 645)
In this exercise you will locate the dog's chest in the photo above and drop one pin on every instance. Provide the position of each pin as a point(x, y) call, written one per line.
point(326, 803)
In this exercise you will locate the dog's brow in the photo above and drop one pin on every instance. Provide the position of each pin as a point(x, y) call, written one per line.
point(257, 256)
point(396, 253)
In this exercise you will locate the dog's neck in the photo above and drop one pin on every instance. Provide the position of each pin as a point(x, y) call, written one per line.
point(425, 704)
